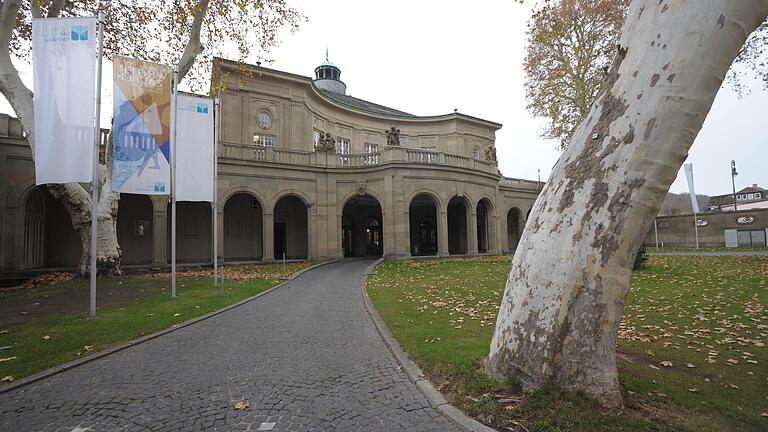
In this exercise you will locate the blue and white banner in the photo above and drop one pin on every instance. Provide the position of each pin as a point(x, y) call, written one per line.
point(64, 61)
point(142, 127)
point(194, 149)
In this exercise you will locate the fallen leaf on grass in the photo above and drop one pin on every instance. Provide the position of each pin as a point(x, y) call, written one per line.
point(653, 367)
point(442, 385)
point(667, 363)
point(88, 347)
point(241, 405)
point(690, 365)
point(764, 414)
point(732, 361)
point(177, 314)
point(46, 337)
point(6, 359)
point(3, 331)
point(693, 390)
point(7, 378)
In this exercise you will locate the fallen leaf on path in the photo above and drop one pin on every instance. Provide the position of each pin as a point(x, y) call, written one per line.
point(7, 378)
point(241, 405)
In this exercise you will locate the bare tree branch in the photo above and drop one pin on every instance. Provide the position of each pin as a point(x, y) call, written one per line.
point(56, 7)
point(194, 46)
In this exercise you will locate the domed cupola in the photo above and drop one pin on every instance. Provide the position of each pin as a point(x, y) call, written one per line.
point(328, 77)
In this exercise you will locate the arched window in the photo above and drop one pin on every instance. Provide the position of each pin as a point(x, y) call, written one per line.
point(265, 121)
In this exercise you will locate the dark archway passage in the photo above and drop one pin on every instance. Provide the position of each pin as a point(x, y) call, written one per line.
point(193, 232)
point(243, 228)
point(135, 228)
point(513, 228)
point(361, 227)
point(423, 225)
point(291, 235)
point(457, 226)
point(49, 239)
point(482, 226)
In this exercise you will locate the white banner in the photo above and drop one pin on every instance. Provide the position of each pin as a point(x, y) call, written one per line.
point(64, 74)
point(194, 149)
point(692, 191)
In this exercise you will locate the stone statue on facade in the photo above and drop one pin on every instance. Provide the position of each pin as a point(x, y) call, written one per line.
point(393, 136)
point(326, 143)
point(490, 153)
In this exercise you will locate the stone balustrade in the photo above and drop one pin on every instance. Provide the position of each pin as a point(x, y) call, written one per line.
point(356, 160)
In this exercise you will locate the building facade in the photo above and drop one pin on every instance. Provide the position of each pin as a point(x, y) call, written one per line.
point(752, 197)
point(304, 171)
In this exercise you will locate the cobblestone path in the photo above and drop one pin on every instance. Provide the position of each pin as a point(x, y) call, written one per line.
point(306, 357)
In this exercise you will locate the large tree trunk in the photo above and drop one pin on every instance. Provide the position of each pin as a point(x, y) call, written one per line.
point(565, 293)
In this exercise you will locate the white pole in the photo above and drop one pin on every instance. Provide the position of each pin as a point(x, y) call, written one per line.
point(173, 183)
point(215, 190)
point(95, 180)
point(696, 228)
point(656, 231)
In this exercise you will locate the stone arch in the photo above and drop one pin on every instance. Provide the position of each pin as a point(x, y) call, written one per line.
point(224, 196)
point(243, 223)
point(362, 234)
point(423, 222)
point(47, 237)
point(459, 211)
point(485, 225)
point(291, 226)
point(514, 228)
point(135, 228)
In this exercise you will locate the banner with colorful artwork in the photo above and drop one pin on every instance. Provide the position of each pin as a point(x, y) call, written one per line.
point(142, 127)
point(64, 78)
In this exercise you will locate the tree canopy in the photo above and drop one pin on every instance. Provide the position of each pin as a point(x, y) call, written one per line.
point(570, 46)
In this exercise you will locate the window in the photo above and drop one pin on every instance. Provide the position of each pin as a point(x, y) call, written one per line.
point(758, 195)
point(342, 148)
point(265, 121)
point(751, 196)
point(264, 140)
point(372, 159)
point(476, 153)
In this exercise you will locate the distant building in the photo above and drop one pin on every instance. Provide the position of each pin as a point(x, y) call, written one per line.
point(749, 198)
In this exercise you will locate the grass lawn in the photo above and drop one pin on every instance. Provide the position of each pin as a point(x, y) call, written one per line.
point(692, 354)
point(59, 337)
point(652, 249)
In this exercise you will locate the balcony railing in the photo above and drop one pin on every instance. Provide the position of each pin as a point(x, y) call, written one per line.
point(521, 183)
point(356, 160)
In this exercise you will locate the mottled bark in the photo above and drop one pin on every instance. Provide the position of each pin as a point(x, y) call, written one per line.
point(565, 293)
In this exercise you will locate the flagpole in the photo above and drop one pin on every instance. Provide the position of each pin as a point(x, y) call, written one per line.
point(173, 183)
point(696, 227)
point(95, 180)
point(213, 204)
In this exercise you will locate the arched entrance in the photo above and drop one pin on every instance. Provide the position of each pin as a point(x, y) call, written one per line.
point(361, 230)
point(423, 225)
point(482, 226)
point(49, 239)
point(135, 228)
point(291, 231)
point(193, 232)
point(457, 226)
point(243, 228)
point(513, 228)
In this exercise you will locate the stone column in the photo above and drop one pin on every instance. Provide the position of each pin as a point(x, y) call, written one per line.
point(472, 233)
point(160, 246)
point(269, 237)
point(442, 233)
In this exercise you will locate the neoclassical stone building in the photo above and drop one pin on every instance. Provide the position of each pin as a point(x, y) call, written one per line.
point(304, 171)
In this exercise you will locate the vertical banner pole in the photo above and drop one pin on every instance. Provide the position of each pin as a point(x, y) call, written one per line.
point(656, 232)
point(696, 228)
point(215, 191)
point(216, 125)
point(173, 182)
point(95, 180)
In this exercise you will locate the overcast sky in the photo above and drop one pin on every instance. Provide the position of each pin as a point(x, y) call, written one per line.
point(429, 57)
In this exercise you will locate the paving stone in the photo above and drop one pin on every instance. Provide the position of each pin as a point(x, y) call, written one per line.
point(305, 357)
